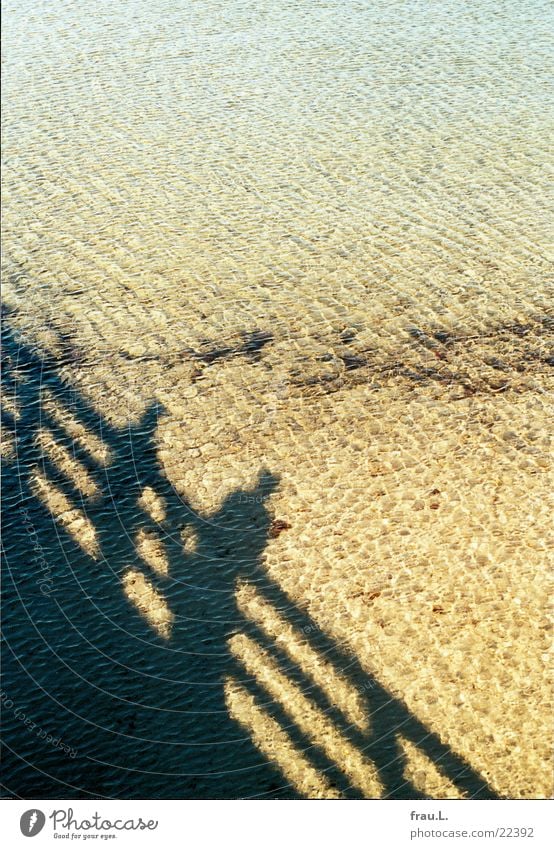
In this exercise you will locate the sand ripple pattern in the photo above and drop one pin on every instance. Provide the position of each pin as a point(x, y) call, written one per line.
point(317, 236)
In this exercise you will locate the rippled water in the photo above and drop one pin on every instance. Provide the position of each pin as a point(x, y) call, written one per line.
point(285, 271)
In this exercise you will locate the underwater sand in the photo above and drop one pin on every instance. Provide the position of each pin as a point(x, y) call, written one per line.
point(319, 236)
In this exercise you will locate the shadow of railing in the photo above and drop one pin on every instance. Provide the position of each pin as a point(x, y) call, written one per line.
point(151, 642)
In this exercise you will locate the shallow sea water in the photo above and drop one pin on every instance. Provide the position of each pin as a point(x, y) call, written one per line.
point(278, 358)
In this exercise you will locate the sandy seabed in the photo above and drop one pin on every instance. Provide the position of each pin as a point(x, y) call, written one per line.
point(319, 242)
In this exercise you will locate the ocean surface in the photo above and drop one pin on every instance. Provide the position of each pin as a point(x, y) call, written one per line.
point(278, 365)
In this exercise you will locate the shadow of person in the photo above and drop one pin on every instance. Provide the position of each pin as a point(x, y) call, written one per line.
point(124, 661)
point(144, 710)
point(217, 758)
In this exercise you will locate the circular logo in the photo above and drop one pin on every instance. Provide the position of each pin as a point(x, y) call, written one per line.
point(32, 822)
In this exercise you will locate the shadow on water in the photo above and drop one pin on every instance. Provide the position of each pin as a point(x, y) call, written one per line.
point(147, 652)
